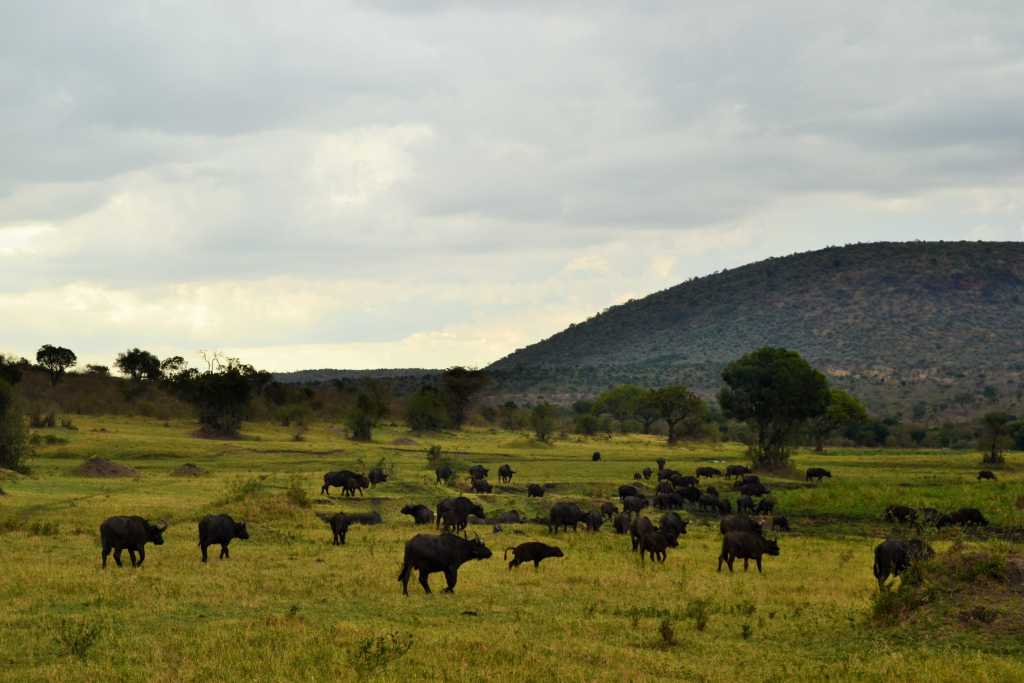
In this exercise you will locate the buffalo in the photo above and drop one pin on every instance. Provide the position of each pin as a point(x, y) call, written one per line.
point(637, 476)
point(962, 517)
point(746, 479)
point(349, 482)
point(609, 510)
point(745, 504)
point(667, 473)
point(670, 501)
point(453, 513)
point(647, 472)
point(754, 488)
point(532, 551)
point(622, 522)
point(637, 530)
point(708, 503)
point(655, 544)
point(660, 462)
point(627, 490)
point(596, 456)
point(689, 493)
point(986, 474)
point(682, 480)
point(665, 487)
point(724, 506)
point(478, 472)
point(565, 515)
point(765, 506)
point(481, 486)
point(736, 470)
point(377, 475)
point(708, 472)
point(429, 554)
point(929, 515)
point(444, 473)
point(131, 534)
point(634, 503)
point(341, 521)
point(900, 513)
point(594, 519)
point(672, 525)
point(505, 474)
point(894, 555)
point(711, 491)
point(780, 523)
point(746, 546)
point(817, 473)
point(219, 530)
point(735, 523)
point(420, 514)
point(534, 491)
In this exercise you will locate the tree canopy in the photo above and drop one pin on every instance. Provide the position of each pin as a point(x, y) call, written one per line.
point(460, 385)
point(56, 360)
point(677, 405)
point(843, 412)
point(139, 365)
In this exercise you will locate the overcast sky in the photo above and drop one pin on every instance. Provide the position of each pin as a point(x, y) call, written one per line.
point(422, 184)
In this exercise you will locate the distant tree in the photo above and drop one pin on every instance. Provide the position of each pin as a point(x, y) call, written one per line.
point(990, 393)
point(511, 417)
point(460, 385)
point(139, 365)
point(372, 404)
point(14, 439)
point(587, 424)
point(56, 360)
point(918, 436)
point(677, 406)
point(169, 367)
point(843, 410)
point(582, 407)
point(97, 370)
point(776, 391)
point(425, 411)
point(220, 395)
point(995, 437)
point(647, 411)
point(543, 420)
point(1017, 433)
point(621, 402)
point(10, 369)
point(489, 414)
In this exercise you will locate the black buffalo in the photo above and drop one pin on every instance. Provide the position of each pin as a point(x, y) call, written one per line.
point(505, 474)
point(219, 530)
point(708, 503)
point(900, 513)
point(667, 473)
point(131, 534)
point(963, 517)
point(682, 480)
point(609, 510)
point(745, 504)
point(565, 515)
point(708, 472)
point(420, 514)
point(669, 501)
point(986, 474)
point(444, 473)
point(780, 523)
point(894, 555)
point(627, 490)
point(637, 530)
point(655, 544)
point(622, 522)
point(532, 551)
point(735, 523)
point(594, 519)
point(746, 479)
point(929, 515)
point(689, 493)
point(453, 513)
point(341, 521)
point(634, 503)
point(746, 546)
point(637, 476)
point(377, 475)
point(817, 473)
point(664, 487)
point(429, 554)
point(660, 462)
point(765, 506)
point(672, 525)
point(349, 482)
point(647, 472)
point(481, 486)
point(478, 472)
point(754, 488)
point(711, 491)
point(736, 470)
point(534, 491)
point(596, 456)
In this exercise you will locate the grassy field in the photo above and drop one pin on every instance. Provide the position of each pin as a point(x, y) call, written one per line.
point(289, 606)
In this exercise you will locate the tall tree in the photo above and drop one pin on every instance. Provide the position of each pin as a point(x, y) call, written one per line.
point(843, 412)
point(139, 365)
point(10, 369)
point(647, 411)
point(776, 391)
point(372, 404)
point(543, 419)
point(220, 396)
point(14, 438)
point(460, 385)
point(425, 411)
point(996, 436)
point(56, 360)
point(677, 406)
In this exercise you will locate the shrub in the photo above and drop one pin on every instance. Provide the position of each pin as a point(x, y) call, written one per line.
point(700, 612)
point(14, 438)
point(77, 637)
point(373, 655)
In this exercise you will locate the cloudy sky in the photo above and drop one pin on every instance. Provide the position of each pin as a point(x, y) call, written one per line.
point(421, 184)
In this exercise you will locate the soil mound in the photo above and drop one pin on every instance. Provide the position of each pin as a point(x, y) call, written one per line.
point(189, 470)
point(100, 467)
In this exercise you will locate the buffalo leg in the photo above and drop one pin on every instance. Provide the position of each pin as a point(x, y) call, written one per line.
point(403, 576)
point(746, 561)
point(203, 549)
point(423, 580)
point(536, 565)
point(106, 553)
point(117, 557)
point(451, 576)
point(758, 560)
point(224, 552)
point(720, 559)
point(142, 556)
point(131, 556)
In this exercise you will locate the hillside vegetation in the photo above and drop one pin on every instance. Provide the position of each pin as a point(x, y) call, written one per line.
point(931, 327)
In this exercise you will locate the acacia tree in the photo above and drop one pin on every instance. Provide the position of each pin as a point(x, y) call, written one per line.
point(776, 391)
point(843, 411)
point(139, 365)
point(543, 420)
point(372, 404)
point(677, 406)
point(621, 402)
point(220, 396)
point(56, 360)
point(995, 436)
point(425, 411)
point(647, 411)
point(460, 385)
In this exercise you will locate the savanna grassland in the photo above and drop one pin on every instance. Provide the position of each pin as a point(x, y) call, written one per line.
point(289, 606)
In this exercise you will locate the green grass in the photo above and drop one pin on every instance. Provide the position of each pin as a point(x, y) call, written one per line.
point(288, 606)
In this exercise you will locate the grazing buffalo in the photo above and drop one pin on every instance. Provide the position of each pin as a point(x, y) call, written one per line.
point(444, 473)
point(505, 474)
point(746, 546)
point(962, 517)
point(634, 503)
point(765, 506)
point(349, 482)
point(508, 517)
point(453, 513)
point(340, 523)
point(478, 472)
point(626, 490)
point(986, 474)
point(929, 515)
point(532, 551)
point(420, 514)
point(667, 473)
point(219, 530)
point(736, 470)
point(596, 456)
point(609, 510)
point(594, 519)
point(131, 534)
point(708, 503)
point(444, 553)
point(780, 523)
point(534, 491)
point(660, 462)
point(754, 488)
point(655, 544)
point(685, 480)
point(711, 491)
point(817, 473)
point(739, 523)
point(708, 472)
point(689, 493)
point(746, 479)
point(901, 514)
point(724, 506)
point(670, 501)
point(673, 526)
point(665, 487)
point(622, 522)
point(639, 527)
point(565, 515)
point(647, 472)
point(745, 504)
point(894, 555)
point(637, 476)
point(481, 486)
point(377, 475)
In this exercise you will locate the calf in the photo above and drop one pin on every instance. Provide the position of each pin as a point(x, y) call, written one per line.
point(346, 480)
point(655, 544)
point(900, 513)
point(131, 534)
point(637, 476)
point(420, 514)
point(986, 474)
point(505, 474)
point(534, 491)
point(594, 519)
point(481, 486)
point(453, 513)
point(647, 472)
point(532, 551)
point(962, 517)
point(596, 456)
point(219, 530)
point(444, 553)
point(894, 555)
point(817, 473)
point(478, 472)
point(746, 546)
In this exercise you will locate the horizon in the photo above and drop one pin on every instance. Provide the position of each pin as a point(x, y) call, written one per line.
point(355, 186)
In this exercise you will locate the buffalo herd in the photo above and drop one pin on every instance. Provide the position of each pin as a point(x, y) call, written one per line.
point(743, 533)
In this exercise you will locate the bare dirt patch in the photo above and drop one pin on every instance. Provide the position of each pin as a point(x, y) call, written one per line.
point(101, 467)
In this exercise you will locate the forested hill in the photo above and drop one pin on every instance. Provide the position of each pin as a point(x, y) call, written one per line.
point(939, 323)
